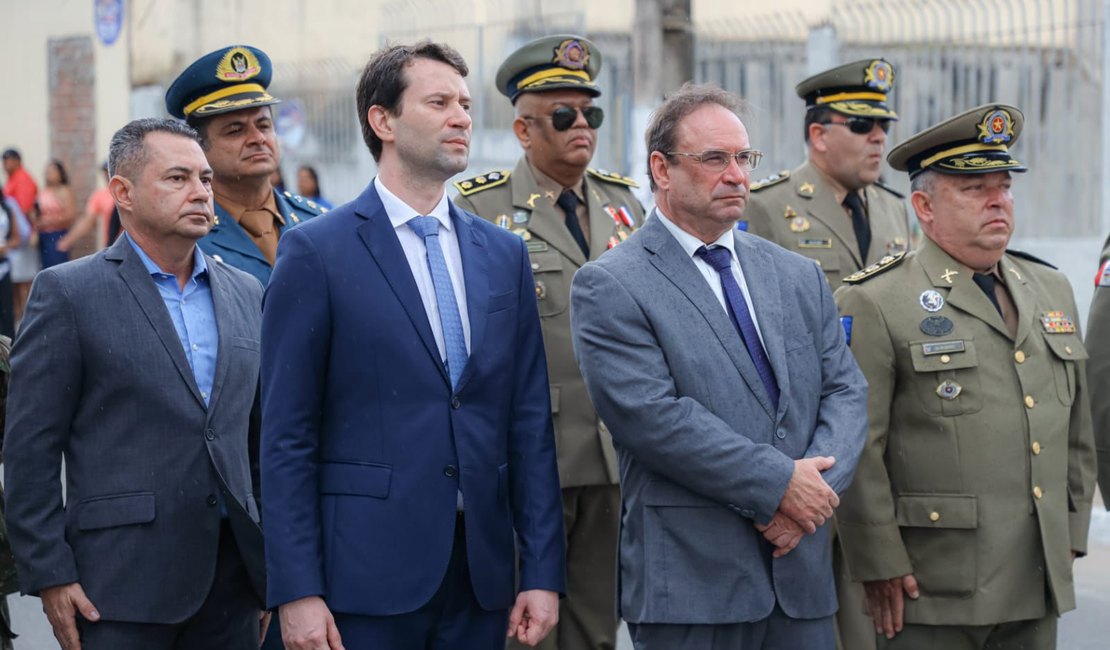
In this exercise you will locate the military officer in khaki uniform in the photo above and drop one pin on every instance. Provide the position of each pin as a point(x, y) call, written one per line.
point(568, 214)
point(832, 208)
point(973, 494)
point(1098, 367)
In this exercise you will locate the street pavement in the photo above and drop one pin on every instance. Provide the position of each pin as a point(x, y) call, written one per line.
point(1086, 628)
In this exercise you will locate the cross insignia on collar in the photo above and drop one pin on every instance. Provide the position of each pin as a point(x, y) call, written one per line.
point(532, 199)
point(948, 274)
point(1015, 272)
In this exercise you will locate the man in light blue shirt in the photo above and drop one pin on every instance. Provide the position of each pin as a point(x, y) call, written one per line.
point(139, 367)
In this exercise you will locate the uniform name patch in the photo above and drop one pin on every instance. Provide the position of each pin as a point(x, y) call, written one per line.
point(942, 347)
point(814, 243)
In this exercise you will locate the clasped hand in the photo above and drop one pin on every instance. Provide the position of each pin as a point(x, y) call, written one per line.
point(807, 504)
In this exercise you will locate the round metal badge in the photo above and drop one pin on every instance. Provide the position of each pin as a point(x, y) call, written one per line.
point(931, 300)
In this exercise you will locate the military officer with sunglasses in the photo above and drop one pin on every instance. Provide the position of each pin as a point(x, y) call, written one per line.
point(568, 213)
point(832, 208)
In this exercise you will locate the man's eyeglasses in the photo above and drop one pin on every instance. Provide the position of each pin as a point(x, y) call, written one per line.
point(863, 125)
point(564, 117)
point(716, 160)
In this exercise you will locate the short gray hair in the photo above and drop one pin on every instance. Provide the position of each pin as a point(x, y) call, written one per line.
point(661, 133)
point(925, 181)
point(127, 153)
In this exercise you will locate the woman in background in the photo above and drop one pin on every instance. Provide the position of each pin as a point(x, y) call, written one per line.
point(57, 211)
point(308, 186)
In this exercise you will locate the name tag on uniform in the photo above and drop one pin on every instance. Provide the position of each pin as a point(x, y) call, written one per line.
point(942, 347)
point(814, 243)
point(536, 246)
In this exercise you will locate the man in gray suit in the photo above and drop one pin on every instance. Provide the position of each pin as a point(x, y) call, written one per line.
point(139, 366)
point(736, 409)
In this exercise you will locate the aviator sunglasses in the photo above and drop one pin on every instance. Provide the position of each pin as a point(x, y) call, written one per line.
point(563, 118)
point(863, 125)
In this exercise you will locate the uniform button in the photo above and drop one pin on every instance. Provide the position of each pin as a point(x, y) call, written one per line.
point(450, 471)
point(1019, 356)
point(781, 433)
point(211, 500)
point(535, 266)
point(1037, 492)
point(1029, 401)
point(210, 434)
point(944, 358)
point(1036, 448)
point(1067, 348)
point(934, 516)
point(455, 403)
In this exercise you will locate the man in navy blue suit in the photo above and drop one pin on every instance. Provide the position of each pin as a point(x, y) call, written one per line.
point(420, 438)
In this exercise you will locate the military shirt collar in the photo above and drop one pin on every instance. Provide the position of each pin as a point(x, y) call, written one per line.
point(551, 188)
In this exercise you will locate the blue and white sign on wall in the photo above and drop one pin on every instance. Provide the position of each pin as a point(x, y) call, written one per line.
point(108, 16)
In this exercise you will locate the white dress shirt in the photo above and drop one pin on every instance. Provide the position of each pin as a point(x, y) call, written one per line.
point(417, 255)
point(691, 244)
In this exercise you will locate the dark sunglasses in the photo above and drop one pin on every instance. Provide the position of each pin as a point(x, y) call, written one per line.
point(564, 117)
point(863, 125)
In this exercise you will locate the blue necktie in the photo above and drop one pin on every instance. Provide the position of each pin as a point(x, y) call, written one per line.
point(720, 258)
point(450, 321)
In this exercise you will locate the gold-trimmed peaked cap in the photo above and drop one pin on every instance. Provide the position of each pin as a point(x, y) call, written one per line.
point(549, 63)
point(977, 141)
point(856, 89)
point(229, 79)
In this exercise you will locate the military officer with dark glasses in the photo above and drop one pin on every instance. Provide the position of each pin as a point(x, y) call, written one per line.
point(568, 213)
point(832, 208)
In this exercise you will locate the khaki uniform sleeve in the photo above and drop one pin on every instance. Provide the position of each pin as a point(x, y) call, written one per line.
point(866, 520)
point(1098, 379)
point(1083, 461)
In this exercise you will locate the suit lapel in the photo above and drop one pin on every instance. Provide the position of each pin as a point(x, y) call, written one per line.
point(824, 208)
point(472, 250)
point(667, 255)
point(547, 221)
point(141, 285)
point(963, 293)
point(221, 304)
point(767, 302)
point(380, 239)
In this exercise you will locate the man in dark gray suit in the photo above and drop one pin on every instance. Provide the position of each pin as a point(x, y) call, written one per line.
point(736, 409)
point(139, 366)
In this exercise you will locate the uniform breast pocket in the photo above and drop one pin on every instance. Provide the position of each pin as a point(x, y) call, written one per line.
point(946, 375)
point(1067, 349)
point(552, 288)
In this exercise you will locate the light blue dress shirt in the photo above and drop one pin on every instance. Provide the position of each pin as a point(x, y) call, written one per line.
point(193, 315)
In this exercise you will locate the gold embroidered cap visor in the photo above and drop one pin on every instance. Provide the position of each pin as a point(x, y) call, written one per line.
point(550, 63)
point(229, 79)
point(977, 141)
point(856, 89)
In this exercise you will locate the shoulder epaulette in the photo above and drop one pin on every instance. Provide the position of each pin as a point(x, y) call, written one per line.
point(304, 205)
point(482, 182)
point(885, 264)
point(894, 192)
point(773, 179)
point(1032, 258)
point(612, 177)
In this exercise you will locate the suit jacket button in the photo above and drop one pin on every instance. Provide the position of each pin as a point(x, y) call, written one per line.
point(781, 433)
point(450, 471)
point(211, 500)
point(455, 403)
point(210, 434)
point(748, 513)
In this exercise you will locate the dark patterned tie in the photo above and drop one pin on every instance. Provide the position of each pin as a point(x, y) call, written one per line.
point(569, 203)
point(720, 258)
point(860, 225)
